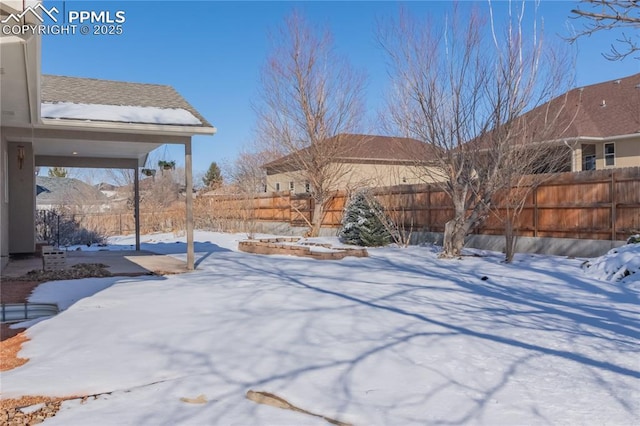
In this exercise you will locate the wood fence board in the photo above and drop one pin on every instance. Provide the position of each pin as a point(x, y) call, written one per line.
point(599, 205)
point(627, 191)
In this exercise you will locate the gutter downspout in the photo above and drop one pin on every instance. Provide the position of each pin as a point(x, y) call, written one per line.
point(573, 156)
point(29, 89)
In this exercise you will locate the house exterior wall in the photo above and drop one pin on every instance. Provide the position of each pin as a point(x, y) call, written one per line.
point(355, 176)
point(627, 153)
point(22, 200)
point(4, 202)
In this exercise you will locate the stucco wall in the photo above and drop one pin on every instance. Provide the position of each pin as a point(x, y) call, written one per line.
point(22, 200)
point(348, 176)
point(627, 153)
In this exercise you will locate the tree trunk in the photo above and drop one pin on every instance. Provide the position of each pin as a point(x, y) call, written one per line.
point(318, 212)
point(510, 240)
point(454, 233)
point(456, 229)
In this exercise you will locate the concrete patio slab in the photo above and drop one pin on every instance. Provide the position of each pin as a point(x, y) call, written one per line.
point(129, 263)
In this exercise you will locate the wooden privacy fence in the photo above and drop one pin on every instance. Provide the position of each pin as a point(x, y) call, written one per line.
point(123, 223)
point(602, 204)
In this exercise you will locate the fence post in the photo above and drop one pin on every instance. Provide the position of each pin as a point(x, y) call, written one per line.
point(535, 211)
point(429, 224)
point(614, 233)
point(58, 230)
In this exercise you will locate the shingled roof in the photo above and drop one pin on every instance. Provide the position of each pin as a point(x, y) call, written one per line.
point(56, 89)
point(65, 191)
point(602, 110)
point(357, 148)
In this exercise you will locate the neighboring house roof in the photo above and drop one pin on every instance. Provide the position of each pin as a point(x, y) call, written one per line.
point(149, 98)
point(602, 110)
point(104, 186)
point(66, 191)
point(365, 149)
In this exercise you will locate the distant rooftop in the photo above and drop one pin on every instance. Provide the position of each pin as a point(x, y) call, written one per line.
point(357, 148)
point(66, 191)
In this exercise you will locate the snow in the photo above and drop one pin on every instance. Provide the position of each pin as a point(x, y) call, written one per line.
point(119, 113)
point(619, 264)
point(398, 338)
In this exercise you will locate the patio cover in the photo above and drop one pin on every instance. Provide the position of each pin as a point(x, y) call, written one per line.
point(83, 122)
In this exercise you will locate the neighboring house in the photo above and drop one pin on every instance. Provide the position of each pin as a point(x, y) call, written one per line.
point(359, 161)
point(599, 124)
point(57, 193)
point(107, 189)
point(76, 122)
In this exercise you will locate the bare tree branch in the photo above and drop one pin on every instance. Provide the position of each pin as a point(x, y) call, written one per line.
point(463, 90)
point(310, 96)
point(599, 15)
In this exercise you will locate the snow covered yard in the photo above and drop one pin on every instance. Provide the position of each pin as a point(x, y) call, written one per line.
point(397, 338)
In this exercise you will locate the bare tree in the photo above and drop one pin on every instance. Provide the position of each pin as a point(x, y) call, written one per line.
point(120, 177)
point(247, 173)
point(601, 15)
point(309, 96)
point(523, 171)
point(462, 87)
point(249, 179)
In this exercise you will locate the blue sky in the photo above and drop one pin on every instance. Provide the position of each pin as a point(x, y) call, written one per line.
point(212, 53)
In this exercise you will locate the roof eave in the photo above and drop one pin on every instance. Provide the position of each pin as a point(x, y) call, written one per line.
point(118, 127)
point(575, 139)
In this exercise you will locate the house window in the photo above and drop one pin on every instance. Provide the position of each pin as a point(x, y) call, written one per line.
point(588, 157)
point(277, 186)
point(609, 154)
point(292, 186)
point(307, 187)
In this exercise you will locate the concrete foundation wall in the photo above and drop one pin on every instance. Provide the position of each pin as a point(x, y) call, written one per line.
point(552, 246)
point(540, 245)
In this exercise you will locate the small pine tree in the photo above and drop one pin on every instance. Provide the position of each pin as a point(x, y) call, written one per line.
point(213, 178)
point(362, 222)
point(59, 172)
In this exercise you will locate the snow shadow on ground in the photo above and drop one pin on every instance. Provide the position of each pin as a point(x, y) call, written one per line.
point(400, 337)
point(467, 306)
point(202, 249)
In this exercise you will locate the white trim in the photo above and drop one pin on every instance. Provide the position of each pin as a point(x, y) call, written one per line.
point(604, 154)
point(127, 127)
point(598, 138)
point(5, 159)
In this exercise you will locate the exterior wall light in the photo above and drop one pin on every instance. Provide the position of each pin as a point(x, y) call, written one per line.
point(20, 156)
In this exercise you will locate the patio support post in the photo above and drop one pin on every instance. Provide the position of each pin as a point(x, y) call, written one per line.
point(136, 204)
point(189, 200)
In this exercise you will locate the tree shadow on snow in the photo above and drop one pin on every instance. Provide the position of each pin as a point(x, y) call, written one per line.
point(430, 305)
